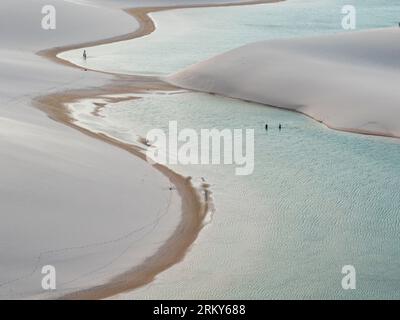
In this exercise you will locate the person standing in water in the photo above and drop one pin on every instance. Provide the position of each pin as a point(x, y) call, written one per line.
point(280, 127)
point(266, 127)
point(84, 54)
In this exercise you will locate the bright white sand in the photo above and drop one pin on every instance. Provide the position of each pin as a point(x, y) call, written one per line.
point(349, 81)
point(90, 209)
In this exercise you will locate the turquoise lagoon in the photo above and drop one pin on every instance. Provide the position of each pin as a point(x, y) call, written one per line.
point(187, 36)
point(319, 199)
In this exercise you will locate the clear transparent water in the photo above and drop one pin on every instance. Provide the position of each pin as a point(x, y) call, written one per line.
point(318, 200)
point(187, 36)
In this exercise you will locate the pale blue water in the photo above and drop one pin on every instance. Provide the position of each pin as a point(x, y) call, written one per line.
point(318, 200)
point(184, 37)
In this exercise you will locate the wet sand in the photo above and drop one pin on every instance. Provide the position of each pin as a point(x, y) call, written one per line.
point(195, 202)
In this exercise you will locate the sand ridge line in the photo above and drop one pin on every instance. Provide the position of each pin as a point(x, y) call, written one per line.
point(196, 203)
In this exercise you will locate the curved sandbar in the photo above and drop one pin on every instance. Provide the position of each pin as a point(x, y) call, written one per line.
point(194, 209)
point(146, 27)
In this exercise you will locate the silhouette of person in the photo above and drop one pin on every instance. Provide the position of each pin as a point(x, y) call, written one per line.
point(266, 127)
point(84, 54)
point(280, 127)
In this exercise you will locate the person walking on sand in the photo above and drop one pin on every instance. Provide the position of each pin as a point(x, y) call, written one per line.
point(84, 55)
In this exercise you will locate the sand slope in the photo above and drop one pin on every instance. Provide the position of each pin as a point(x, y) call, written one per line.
point(88, 208)
point(349, 81)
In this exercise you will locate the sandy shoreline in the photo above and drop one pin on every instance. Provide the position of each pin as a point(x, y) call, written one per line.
point(195, 203)
point(146, 27)
point(327, 125)
point(259, 73)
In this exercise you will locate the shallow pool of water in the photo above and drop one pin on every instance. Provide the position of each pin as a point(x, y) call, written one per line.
point(187, 36)
point(318, 200)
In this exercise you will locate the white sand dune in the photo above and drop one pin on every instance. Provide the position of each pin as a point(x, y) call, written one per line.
point(349, 81)
point(90, 209)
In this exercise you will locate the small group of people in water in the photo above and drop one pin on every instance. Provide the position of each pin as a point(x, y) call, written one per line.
point(279, 127)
